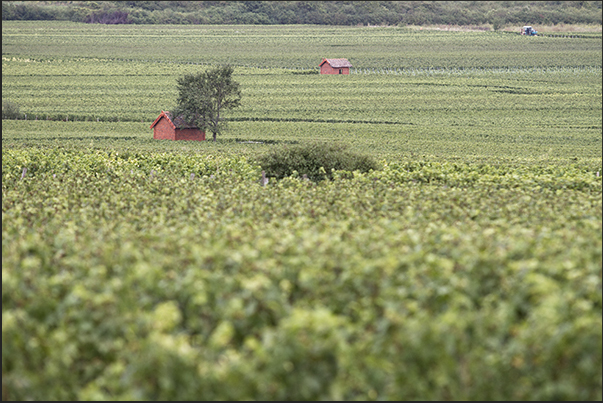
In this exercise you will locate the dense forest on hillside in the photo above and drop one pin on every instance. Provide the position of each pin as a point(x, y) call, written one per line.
point(497, 13)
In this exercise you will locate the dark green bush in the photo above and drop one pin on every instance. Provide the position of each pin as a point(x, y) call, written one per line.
point(10, 111)
point(316, 160)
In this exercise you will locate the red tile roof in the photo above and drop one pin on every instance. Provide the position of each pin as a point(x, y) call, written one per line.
point(337, 63)
point(175, 123)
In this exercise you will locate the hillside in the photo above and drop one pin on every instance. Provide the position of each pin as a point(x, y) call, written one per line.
point(497, 14)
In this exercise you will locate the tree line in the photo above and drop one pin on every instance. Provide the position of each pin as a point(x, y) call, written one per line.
point(497, 13)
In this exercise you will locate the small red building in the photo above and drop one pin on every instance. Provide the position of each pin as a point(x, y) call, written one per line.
point(165, 127)
point(335, 66)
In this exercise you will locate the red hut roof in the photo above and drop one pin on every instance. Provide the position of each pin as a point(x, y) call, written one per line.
point(175, 123)
point(336, 63)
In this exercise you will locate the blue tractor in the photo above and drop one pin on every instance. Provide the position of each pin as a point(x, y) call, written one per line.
point(528, 30)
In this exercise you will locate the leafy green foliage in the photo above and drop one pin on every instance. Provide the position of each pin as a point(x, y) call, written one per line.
point(203, 98)
point(315, 160)
point(126, 277)
point(192, 102)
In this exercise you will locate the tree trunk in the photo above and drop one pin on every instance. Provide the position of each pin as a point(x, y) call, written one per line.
point(215, 135)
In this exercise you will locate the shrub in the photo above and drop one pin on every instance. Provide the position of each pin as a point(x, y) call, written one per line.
point(10, 111)
point(316, 160)
point(305, 72)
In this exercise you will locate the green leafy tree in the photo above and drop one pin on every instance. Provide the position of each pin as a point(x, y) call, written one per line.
point(204, 97)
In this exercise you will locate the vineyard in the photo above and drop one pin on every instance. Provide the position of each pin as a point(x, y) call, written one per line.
point(468, 266)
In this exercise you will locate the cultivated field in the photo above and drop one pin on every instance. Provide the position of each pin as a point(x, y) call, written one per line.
point(467, 267)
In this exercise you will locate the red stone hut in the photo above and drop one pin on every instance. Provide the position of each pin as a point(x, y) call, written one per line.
point(335, 66)
point(165, 127)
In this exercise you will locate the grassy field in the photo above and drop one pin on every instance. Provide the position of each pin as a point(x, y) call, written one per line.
point(467, 267)
point(437, 93)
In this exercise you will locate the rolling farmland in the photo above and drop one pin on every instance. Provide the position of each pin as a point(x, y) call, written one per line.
point(467, 267)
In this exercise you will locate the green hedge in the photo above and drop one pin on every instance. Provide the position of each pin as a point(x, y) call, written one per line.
point(316, 160)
